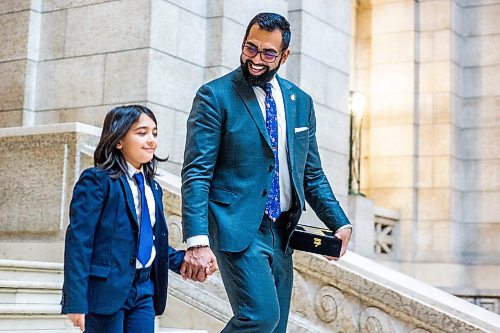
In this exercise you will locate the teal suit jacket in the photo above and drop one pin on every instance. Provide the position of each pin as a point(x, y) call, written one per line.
point(228, 164)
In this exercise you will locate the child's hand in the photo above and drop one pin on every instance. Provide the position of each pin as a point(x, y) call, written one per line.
point(78, 320)
point(195, 263)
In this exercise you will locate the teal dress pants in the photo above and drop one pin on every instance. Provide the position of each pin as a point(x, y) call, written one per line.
point(259, 281)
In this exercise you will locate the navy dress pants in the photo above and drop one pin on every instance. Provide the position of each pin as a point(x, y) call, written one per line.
point(136, 316)
point(259, 282)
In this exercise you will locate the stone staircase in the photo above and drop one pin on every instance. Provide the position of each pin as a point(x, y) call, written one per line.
point(30, 293)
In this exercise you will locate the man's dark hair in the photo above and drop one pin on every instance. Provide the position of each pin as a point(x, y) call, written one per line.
point(271, 22)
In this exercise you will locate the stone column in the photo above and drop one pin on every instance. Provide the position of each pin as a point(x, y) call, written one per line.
point(479, 124)
point(319, 64)
point(440, 166)
point(18, 39)
point(176, 55)
point(392, 136)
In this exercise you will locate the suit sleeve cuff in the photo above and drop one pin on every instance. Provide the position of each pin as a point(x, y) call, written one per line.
point(347, 226)
point(197, 240)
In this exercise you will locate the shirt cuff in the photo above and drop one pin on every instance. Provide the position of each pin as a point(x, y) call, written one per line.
point(197, 240)
point(347, 226)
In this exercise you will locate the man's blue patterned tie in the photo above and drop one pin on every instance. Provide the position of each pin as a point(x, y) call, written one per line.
point(146, 231)
point(273, 208)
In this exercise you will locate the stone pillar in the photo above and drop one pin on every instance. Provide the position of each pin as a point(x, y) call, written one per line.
point(18, 38)
point(392, 148)
point(319, 64)
point(440, 166)
point(479, 124)
point(175, 71)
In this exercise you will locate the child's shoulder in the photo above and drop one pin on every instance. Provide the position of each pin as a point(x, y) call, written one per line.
point(95, 173)
point(98, 172)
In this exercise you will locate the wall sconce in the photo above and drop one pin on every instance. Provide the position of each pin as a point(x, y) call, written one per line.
point(357, 103)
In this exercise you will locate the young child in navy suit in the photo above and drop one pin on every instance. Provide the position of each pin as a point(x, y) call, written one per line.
point(117, 255)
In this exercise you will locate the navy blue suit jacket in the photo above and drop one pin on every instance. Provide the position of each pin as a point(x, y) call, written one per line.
point(228, 163)
point(101, 246)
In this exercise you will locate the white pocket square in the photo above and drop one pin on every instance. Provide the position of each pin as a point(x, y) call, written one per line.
point(300, 129)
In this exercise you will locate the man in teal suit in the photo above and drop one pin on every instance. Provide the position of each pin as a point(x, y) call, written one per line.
point(250, 163)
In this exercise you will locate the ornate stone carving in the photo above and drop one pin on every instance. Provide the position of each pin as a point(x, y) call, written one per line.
point(325, 304)
point(174, 231)
point(385, 240)
point(373, 320)
point(333, 308)
point(300, 299)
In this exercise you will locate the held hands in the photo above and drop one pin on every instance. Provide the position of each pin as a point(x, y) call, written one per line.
point(78, 320)
point(198, 264)
point(345, 236)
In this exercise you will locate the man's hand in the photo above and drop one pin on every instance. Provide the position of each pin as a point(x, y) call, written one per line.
point(199, 262)
point(78, 320)
point(345, 236)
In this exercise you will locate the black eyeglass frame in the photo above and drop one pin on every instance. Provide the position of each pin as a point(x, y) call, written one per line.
point(269, 53)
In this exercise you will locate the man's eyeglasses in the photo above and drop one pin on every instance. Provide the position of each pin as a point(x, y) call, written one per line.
point(266, 56)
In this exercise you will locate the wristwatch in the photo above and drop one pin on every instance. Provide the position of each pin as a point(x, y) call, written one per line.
point(198, 246)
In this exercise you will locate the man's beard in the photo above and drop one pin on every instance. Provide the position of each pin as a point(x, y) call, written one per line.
point(262, 79)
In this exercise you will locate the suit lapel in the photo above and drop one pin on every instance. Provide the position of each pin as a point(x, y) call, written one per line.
point(247, 95)
point(129, 198)
point(290, 110)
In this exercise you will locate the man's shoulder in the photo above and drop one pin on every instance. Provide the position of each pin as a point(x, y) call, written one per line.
point(286, 84)
point(224, 80)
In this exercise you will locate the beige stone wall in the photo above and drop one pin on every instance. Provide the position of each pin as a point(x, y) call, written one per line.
point(430, 70)
point(74, 60)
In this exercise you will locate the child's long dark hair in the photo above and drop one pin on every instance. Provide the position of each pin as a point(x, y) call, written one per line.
point(116, 125)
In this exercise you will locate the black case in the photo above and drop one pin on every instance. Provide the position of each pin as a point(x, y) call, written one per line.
point(315, 240)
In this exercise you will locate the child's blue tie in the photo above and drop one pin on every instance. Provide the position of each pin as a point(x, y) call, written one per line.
point(273, 208)
point(146, 231)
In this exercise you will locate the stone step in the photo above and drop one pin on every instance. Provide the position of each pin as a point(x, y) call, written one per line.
point(180, 330)
point(16, 270)
point(71, 330)
point(15, 317)
point(75, 330)
point(29, 292)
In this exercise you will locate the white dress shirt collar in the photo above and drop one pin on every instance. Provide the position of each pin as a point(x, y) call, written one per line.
point(131, 171)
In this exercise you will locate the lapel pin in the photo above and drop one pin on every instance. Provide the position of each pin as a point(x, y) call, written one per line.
point(292, 97)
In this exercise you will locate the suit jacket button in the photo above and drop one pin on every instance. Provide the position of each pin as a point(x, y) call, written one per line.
point(271, 168)
point(132, 260)
point(264, 193)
